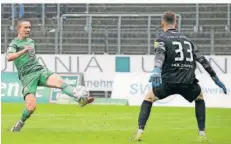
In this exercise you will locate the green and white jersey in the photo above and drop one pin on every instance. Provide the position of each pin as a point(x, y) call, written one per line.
point(26, 63)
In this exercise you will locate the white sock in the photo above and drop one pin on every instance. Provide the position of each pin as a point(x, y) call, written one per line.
point(140, 131)
point(202, 133)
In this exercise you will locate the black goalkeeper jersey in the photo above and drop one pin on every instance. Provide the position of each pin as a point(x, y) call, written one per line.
point(180, 57)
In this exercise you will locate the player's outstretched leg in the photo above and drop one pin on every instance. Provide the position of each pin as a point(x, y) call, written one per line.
point(55, 81)
point(145, 111)
point(30, 101)
point(200, 112)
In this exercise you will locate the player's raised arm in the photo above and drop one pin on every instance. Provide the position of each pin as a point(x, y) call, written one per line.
point(12, 54)
point(204, 62)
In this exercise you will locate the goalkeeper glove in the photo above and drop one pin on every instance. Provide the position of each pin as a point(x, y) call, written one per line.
point(155, 78)
point(219, 83)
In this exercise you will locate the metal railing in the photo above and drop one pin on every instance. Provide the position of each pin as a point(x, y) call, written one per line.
point(119, 16)
point(207, 42)
point(43, 14)
point(59, 27)
point(228, 17)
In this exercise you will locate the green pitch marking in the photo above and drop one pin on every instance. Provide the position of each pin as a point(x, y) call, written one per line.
point(98, 124)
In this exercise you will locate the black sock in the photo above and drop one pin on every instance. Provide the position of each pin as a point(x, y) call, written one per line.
point(144, 113)
point(200, 114)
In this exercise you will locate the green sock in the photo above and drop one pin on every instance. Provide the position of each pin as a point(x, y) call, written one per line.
point(67, 89)
point(25, 115)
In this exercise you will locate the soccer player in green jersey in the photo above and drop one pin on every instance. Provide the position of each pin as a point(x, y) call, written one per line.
point(31, 74)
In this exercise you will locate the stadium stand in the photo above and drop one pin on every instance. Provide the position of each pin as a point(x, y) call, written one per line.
point(213, 34)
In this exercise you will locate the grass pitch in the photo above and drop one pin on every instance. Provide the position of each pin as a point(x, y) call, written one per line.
point(70, 124)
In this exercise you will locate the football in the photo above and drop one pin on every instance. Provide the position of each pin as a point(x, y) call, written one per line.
point(81, 91)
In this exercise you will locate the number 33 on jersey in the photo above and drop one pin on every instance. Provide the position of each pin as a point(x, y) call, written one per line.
point(179, 62)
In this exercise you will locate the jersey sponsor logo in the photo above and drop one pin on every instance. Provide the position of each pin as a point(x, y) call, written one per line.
point(182, 65)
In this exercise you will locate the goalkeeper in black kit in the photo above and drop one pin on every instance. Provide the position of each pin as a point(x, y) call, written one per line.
point(174, 73)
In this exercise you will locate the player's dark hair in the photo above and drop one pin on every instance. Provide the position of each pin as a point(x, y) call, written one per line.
point(169, 17)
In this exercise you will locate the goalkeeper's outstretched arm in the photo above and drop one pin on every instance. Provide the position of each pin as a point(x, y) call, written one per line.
point(204, 62)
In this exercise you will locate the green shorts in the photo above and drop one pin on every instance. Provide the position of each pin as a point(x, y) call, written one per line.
point(31, 81)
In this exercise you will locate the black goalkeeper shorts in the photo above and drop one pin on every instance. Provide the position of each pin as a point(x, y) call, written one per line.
point(189, 91)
